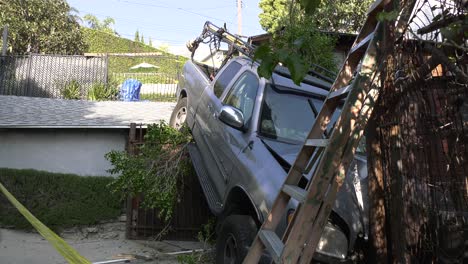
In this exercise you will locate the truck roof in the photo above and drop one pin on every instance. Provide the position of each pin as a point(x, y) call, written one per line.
point(282, 76)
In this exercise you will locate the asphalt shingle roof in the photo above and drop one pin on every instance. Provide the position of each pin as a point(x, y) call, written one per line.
point(17, 112)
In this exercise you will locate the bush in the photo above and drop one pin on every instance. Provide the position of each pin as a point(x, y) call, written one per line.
point(57, 200)
point(102, 92)
point(157, 171)
point(71, 91)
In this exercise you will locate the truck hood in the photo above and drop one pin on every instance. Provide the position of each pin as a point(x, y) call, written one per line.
point(286, 151)
point(347, 204)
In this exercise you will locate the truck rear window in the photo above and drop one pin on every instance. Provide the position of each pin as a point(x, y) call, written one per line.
point(225, 78)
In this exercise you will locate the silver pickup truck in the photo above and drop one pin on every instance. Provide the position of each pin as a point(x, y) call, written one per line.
point(247, 132)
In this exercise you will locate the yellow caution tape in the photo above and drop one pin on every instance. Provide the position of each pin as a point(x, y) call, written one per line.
point(69, 253)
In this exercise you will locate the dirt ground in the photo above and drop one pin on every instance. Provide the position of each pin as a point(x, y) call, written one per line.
point(94, 243)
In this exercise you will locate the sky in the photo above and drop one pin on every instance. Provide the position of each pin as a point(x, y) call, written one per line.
point(171, 22)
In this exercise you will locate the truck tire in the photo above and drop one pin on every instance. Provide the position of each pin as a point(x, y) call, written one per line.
point(236, 236)
point(179, 114)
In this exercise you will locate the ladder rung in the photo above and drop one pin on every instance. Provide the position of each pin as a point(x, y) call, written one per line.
point(340, 93)
point(361, 44)
point(295, 192)
point(316, 142)
point(376, 5)
point(272, 243)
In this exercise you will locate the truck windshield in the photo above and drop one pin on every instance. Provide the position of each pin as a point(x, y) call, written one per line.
point(287, 115)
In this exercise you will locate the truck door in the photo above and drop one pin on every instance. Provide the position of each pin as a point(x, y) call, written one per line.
point(228, 142)
point(204, 130)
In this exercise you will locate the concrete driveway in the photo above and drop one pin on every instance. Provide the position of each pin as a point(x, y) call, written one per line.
point(19, 247)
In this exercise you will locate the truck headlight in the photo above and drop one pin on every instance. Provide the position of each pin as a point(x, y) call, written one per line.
point(333, 243)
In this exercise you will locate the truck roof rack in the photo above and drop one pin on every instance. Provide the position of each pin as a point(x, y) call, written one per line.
point(313, 78)
point(317, 75)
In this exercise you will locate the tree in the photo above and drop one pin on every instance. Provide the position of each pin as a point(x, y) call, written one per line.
point(150, 42)
point(105, 25)
point(164, 47)
point(137, 36)
point(142, 40)
point(41, 26)
point(296, 43)
point(345, 16)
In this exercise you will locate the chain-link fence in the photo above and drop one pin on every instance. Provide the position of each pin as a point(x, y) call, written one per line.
point(50, 75)
point(159, 75)
point(418, 144)
point(89, 77)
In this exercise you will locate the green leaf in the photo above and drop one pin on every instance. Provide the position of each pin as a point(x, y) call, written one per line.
point(297, 67)
point(449, 33)
point(266, 67)
point(262, 52)
point(282, 54)
point(388, 16)
point(309, 6)
point(299, 42)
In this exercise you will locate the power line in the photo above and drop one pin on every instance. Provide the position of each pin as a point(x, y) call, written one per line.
point(173, 7)
point(183, 10)
point(153, 38)
point(177, 8)
point(163, 28)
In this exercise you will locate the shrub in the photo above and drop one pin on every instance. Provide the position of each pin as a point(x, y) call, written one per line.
point(101, 92)
point(72, 90)
point(58, 200)
point(156, 172)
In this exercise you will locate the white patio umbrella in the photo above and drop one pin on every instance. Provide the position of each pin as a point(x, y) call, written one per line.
point(143, 65)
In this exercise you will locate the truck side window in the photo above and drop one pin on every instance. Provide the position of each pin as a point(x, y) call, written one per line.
point(243, 93)
point(226, 77)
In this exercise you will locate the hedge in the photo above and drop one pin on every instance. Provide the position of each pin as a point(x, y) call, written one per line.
point(102, 42)
point(168, 64)
point(58, 200)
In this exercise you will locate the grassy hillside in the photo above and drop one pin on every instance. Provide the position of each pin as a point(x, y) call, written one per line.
point(101, 42)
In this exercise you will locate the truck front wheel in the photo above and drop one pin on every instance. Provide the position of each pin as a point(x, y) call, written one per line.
point(235, 237)
point(179, 114)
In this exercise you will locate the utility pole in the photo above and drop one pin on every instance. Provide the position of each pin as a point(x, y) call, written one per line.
point(239, 17)
point(5, 40)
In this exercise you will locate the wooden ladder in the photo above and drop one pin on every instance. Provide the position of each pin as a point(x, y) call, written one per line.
point(334, 153)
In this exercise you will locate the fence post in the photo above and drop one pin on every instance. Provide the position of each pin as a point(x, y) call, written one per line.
point(129, 228)
point(106, 69)
point(3, 60)
point(28, 77)
point(5, 40)
point(178, 74)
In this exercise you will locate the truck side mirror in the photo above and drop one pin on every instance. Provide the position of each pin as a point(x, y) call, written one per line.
point(232, 117)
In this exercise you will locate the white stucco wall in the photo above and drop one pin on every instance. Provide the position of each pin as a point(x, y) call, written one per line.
point(78, 151)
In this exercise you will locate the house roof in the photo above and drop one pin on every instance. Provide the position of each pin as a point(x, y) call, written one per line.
point(34, 112)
